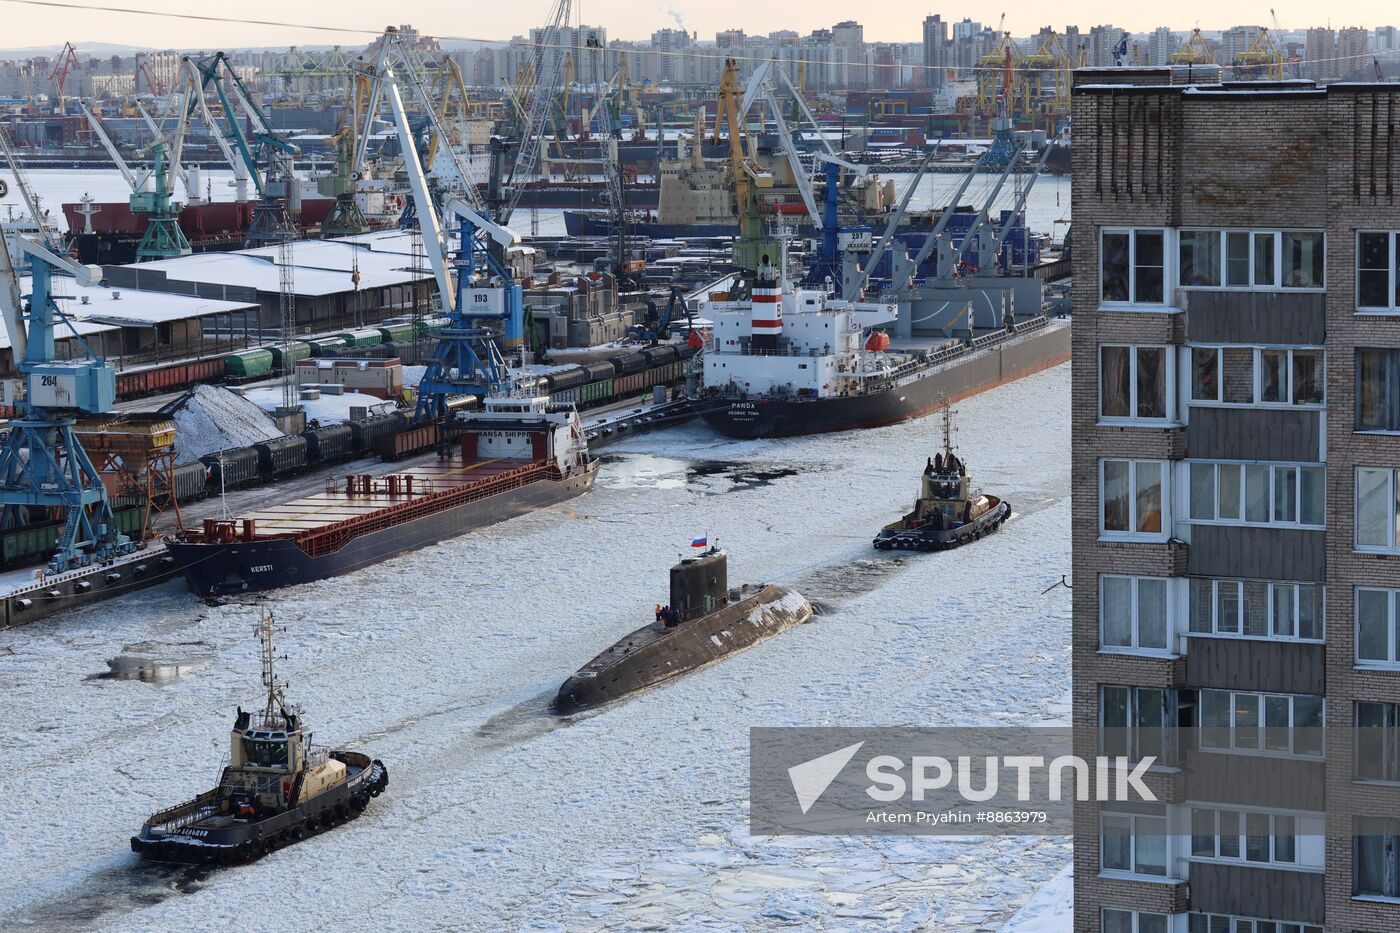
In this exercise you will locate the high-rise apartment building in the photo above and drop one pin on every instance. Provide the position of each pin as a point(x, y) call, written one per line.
point(935, 59)
point(1353, 50)
point(1320, 53)
point(1236, 464)
point(1162, 44)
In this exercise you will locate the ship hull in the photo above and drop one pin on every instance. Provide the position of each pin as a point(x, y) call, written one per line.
point(227, 842)
point(761, 417)
point(944, 539)
point(649, 656)
point(218, 569)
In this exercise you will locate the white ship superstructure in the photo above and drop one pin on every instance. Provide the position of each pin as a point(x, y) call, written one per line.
point(796, 342)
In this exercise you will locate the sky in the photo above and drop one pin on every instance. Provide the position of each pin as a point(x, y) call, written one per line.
point(38, 25)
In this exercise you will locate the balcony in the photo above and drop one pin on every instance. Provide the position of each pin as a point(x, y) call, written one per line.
point(1257, 892)
point(1256, 664)
point(1267, 781)
point(1254, 317)
point(1286, 434)
point(1278, 553)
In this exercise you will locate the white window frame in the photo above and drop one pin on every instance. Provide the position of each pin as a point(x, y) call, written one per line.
point(1271, 588)
point(1275, 471)
point(1393, 243)
point(1136, 926)
point(1237, 923)
point(1392, 661)
point(1168, 268)
point(1164, 533)
point(1286, 390)
point(1133, 834)
point(1242, 838)
point(1278, 284)
point(1169, 377)
point(1261, 726)
point(1392, 547)
point(1135, 616)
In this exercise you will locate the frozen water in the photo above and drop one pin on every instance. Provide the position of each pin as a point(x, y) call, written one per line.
point(499, 816)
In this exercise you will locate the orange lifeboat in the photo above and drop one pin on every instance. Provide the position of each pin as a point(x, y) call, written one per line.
point(878, 341)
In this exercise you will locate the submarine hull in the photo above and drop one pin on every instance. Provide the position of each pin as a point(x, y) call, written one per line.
point(652, 655)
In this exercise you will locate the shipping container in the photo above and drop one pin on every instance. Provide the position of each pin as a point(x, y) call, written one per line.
point(329, 443)
point(279, 456)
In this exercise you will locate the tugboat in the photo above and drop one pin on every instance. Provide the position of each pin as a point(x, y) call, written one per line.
point(704, 622)
point(947, 513)
point(278, 788)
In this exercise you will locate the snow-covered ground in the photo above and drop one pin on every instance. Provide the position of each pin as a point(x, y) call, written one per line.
point(501, 817)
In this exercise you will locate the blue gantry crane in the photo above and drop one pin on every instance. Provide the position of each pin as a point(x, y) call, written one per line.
point(479, 297)
point(42, 464)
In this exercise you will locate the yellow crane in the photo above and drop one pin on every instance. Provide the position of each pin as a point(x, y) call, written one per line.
point(1262, 61)
point(1193, 51)
point(746, 176)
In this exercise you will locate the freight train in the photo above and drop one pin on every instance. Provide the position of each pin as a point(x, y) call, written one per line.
point(392, 435)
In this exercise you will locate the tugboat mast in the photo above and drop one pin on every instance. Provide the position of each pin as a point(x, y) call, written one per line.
point(947, 426)
point(276, 703)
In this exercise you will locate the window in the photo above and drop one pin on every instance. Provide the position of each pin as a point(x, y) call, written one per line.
point(1135, 722)
point(1377, 390)
point(1378, 742)
point(1375, 871)
point(1244, 836)
point(1288, 377)
point(1205, 374)
point(1132, 497)
point(1256, 609)
point(1133, 842)
point(1226, 923)
point(1133, 612)
point(1377, 271)
point(1281, 724)
point(1257, 494)
point(1199, 251)
point(1132, 266)
point(1134, 382)
point(1251, 259)
point(1116, 920)
point(1377, 629)
point(1376, 510)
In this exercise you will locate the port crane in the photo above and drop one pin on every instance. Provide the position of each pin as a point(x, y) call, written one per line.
point(476, 290)
point(43, 465)
point(48, 233)
point(547, 67)
point(67, 61)
point(150, 196)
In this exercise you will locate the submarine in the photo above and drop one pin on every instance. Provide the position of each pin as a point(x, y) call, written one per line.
point(704, 622)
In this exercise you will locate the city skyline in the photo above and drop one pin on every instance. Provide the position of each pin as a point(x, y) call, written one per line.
point(355, 22)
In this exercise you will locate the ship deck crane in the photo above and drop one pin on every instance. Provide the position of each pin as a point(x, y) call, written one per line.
point(42, 464)
point(475, 288)
point(746, 177)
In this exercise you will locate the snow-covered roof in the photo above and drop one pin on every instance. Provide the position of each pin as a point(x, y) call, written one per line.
point(252, 269)
point(135, 308)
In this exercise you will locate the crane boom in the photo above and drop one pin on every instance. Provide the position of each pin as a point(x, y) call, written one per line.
point(26, 190)
point(111, 148)
point(548, 64)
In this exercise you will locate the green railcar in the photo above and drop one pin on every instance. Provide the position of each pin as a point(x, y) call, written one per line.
point(368, 337)
point(248, 364)
point(396, 333)
point(325, 345)
point(298, 350)
point(596, 392)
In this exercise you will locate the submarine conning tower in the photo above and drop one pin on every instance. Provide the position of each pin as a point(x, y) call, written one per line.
point(700, 584)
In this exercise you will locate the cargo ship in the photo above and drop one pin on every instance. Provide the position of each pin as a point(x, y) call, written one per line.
point(788, 361)
point(515, 456)
point(704, 622)
point(277, 787)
